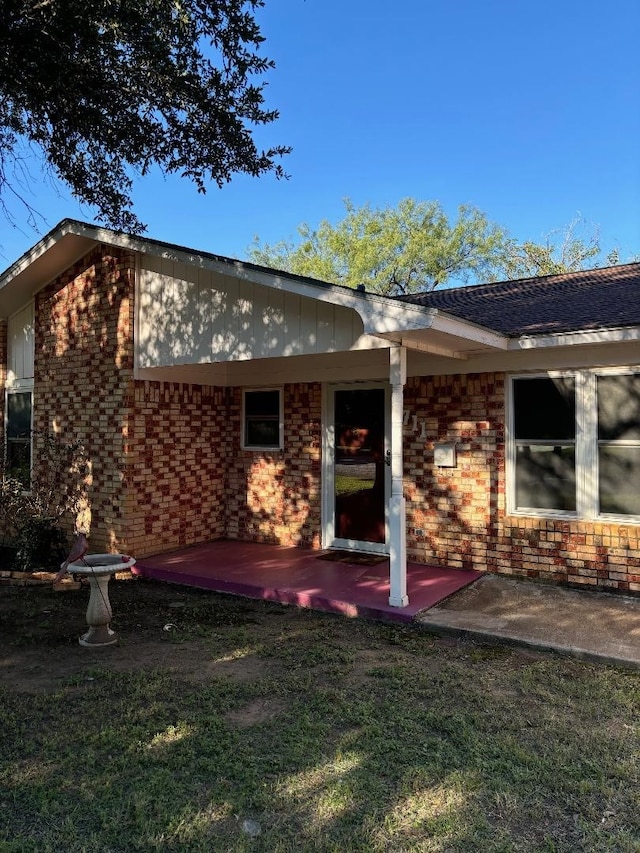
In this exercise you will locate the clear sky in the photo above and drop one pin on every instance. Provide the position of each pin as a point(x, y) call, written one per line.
point(527, 109)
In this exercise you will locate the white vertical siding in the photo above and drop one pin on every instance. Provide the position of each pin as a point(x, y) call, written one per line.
point(189, 315)
point(20, 345)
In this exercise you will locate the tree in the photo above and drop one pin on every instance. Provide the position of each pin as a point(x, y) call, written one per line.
point(105, 89)
point(564, 250)
point(410, 248)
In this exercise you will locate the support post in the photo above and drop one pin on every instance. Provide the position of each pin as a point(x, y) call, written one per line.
point(397, 509)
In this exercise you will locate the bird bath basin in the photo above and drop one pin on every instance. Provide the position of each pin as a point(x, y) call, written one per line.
point(99, 568)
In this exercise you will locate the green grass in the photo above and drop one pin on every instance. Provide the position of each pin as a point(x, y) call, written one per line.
point(346, 485)
point(332, 734)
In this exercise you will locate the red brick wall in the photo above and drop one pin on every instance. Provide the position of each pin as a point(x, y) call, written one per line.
point(275, 497)
point(166, 465)
point(177, 451)
point(580, 553)
point(457, 516)
point(83, 376)
point(156, 450)
point(453, 512)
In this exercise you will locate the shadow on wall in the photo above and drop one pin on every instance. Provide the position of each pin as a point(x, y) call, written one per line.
point(275, 496)
point(83, 379)
point(453, 514)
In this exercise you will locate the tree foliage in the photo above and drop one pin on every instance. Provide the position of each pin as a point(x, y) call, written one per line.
point(107, 88)
point(574, 247)
point(414, 248)
point(393, 250)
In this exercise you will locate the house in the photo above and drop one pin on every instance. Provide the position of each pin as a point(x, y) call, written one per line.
point(494, 427)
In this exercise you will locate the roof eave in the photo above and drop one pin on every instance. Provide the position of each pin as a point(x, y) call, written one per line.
point(578, 338)
point(382, 316)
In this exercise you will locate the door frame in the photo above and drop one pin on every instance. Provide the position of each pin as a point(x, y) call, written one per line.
point(329, 539)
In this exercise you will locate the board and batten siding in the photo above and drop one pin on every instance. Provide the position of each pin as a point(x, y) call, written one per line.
point(20, 346)
point(190, 315)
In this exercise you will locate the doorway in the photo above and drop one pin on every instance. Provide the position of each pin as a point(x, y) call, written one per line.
point(356, 470)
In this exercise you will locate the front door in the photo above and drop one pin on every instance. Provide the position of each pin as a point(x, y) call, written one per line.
point(357, 481)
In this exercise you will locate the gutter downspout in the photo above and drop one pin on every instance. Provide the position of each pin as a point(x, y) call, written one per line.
point(397, 508)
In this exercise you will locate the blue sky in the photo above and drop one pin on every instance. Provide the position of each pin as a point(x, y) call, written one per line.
point(528, 110)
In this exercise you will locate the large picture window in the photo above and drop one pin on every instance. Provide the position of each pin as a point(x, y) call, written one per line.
point(262, 419)
point(575, 444)
point(18, 423)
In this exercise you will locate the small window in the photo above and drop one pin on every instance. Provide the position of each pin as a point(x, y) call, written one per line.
point(19, 405)
point(262, 419)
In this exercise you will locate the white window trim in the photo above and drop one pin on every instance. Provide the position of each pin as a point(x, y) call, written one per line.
point(268, 447)
point(587, 474)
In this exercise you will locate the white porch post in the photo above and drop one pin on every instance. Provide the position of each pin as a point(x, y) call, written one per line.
point(397, 510)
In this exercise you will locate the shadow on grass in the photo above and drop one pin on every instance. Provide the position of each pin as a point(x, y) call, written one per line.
point(320, 732)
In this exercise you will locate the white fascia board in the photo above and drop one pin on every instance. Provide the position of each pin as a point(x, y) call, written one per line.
point(382, 316)
point(600, 336)
point(41, 264)
point(455, 327)
point(378, 313)
point(38, 250)
point(460, 332)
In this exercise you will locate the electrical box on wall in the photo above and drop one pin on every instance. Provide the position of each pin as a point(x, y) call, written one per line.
point(444, 455)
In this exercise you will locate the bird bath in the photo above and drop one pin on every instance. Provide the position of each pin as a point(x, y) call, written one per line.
point(99, 568)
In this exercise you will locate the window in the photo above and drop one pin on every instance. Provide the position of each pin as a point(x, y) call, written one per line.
point(619, 444)
point(545, 437)
point(19, 405)
point(262, 419)
point(575, 444)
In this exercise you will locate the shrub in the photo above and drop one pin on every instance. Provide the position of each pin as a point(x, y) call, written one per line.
point(32, 520)
point(40, 544)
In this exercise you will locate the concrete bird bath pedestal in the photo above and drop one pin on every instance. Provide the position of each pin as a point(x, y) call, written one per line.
point(99, 568)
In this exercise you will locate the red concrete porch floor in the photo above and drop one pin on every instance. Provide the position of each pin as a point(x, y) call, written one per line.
point(297, 576)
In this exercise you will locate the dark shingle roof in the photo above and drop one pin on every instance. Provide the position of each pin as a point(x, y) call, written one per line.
point(572, 302)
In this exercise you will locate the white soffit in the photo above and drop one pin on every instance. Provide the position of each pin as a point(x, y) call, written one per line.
point(36, 268)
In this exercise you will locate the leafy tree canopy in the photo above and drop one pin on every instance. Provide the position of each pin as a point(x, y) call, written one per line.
point(574, 247)
point(410, 248)
point(414, 248)
point(107, 88)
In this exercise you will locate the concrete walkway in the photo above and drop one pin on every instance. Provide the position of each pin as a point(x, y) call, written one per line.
point(595, 626)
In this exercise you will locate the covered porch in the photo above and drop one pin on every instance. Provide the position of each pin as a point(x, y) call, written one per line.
point(356, 585)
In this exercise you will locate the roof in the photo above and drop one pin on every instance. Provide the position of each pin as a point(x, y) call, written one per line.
point(581, 301)
point(381, 316)
point(591, 306)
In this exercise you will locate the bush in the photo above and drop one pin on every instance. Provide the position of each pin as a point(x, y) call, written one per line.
point(32, 521)
point(40, 544)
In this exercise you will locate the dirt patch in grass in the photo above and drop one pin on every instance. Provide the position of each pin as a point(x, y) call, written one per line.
point(228, 724)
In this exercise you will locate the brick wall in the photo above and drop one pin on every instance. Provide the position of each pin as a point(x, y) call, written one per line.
point(275, 496)
point(595, 555)
point(83, 377)
point(177, 451)
point(166, 468)
point(453, 512)
point(457, 516)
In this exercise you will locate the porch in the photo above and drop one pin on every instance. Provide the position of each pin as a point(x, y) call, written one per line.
point(305, 578)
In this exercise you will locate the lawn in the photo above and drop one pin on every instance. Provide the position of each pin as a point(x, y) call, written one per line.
point(222, 724)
